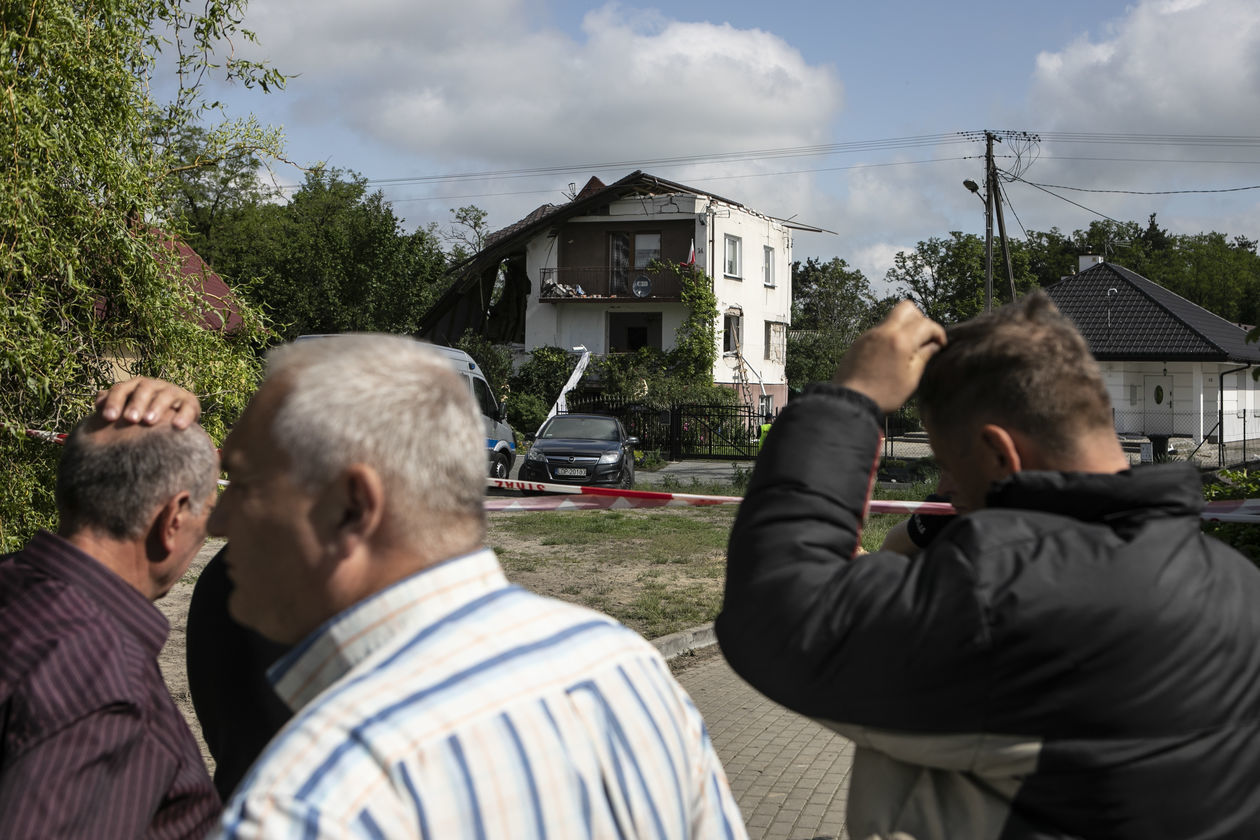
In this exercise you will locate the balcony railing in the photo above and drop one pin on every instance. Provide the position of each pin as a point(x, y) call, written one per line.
point(602, 284)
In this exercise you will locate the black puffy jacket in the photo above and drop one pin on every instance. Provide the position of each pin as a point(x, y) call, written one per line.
point(1075, 660)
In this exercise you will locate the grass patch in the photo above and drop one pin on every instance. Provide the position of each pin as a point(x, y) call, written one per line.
point(658, 570)
point(660, 609)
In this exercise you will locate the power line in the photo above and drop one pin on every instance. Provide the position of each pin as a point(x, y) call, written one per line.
point(853, 147)
point(1069, 201)
point(1007, 196)
point(701, 180)
point(1144, 192)
point(1150, 160)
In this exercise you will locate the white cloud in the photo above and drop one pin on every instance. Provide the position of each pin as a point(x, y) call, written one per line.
point(1168, 66)
point(478, 81)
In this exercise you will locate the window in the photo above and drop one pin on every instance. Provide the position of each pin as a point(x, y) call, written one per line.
point(485, 399)
point(733, 333)
point(647, 247)
point(628, 251)
point(776, 341)
point(734, 262)
point(766, 407)
point(769, 265)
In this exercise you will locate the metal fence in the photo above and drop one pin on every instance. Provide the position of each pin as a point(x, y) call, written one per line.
point(1224, 439)
point(1175, 437)
point(684, 432)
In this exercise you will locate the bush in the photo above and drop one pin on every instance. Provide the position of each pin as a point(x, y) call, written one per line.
point(526, 412)
point(1234, 484)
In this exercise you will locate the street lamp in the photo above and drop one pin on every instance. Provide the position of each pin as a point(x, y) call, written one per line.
point(988, 238)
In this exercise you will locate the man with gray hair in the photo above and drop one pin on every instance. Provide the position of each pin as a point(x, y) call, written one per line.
point(432, 698)
point(91, 744)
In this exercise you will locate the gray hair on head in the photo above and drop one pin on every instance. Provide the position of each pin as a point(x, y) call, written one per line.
point(114, 486)
point(392, 403)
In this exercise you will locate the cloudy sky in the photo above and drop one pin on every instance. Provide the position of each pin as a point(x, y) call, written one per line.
point(858, 117)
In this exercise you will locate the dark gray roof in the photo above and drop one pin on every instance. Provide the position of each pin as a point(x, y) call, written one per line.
point(1126, 317)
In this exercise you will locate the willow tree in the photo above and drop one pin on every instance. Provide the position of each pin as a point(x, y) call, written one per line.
point(89, 288)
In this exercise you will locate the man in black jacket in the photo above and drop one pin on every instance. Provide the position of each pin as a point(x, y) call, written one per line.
point(1071, 657)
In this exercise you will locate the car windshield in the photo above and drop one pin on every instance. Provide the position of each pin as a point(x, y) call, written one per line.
point(590, 428)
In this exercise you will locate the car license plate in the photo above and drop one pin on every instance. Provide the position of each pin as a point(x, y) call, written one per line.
point(570, 470)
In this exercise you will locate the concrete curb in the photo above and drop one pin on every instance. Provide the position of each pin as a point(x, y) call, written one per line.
point(687, 640)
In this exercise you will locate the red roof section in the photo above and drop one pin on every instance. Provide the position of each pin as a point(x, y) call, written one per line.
point(219, 310)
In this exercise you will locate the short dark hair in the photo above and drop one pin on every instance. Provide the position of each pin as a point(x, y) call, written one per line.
point(1024, 367)
point(113, 487)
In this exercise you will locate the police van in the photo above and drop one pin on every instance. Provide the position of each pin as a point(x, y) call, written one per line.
point(500, 439)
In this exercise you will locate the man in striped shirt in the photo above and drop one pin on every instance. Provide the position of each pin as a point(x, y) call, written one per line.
point(432, 698)
point(91, 744)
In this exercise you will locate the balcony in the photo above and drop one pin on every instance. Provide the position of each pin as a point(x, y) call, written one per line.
point(604, 284)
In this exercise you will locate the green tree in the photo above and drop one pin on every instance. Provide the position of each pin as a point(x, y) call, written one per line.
point(212, 185)
point(86, 277)
point(1051, 255)
point(832, 304)
point(333, 259)
point(946, 277)
point(468, 231)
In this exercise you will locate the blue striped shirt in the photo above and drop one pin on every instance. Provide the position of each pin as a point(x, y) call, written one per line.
point(456, 705)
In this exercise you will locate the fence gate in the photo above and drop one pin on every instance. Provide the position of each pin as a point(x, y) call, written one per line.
point(729, 432)
point(715, 431)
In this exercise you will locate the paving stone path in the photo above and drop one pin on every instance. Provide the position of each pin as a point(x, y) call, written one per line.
point(789, 775)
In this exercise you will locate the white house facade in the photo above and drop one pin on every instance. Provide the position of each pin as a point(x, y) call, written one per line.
point(588, 276)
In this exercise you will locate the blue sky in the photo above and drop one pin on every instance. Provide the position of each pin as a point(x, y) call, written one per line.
point(408, 89)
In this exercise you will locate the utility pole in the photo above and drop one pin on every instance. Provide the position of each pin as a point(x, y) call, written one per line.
point(995, 193)
point(988, 221)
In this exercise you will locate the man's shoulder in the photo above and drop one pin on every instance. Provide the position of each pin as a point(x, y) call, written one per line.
point(61, 644)
point(522, 647)
point(466, 693)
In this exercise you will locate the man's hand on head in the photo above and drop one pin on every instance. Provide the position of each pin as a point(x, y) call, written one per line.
point(886, 361)
point(146, 401)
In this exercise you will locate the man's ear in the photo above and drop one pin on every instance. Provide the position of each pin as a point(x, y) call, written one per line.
point(170, 518)
point(362, 503)
point(1000, 450)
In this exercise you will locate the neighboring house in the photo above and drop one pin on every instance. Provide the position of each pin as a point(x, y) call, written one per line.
point(577, 274)
point(1172, 368)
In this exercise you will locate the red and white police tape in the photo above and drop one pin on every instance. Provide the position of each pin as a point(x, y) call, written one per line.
point(570, 497)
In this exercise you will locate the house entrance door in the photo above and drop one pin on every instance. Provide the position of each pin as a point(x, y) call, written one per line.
point(1158, 406)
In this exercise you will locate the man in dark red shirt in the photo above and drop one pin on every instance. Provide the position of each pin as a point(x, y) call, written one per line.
point(91, 744)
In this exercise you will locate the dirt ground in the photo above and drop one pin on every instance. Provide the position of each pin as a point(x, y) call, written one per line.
point(175, 607)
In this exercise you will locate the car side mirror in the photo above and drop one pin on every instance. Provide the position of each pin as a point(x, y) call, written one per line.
point(632, 441)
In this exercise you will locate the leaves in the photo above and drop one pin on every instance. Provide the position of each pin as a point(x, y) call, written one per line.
point(89, 289)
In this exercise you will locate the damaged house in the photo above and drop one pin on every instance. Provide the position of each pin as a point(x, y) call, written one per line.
point(580, 274)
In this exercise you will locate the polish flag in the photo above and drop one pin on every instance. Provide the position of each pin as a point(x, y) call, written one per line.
point(691, 258)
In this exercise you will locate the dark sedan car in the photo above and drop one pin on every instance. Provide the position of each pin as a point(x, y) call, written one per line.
point(581, 449)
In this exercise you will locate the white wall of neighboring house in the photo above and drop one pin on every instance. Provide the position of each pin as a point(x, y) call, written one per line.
point(761, 298)
point(1198, 390)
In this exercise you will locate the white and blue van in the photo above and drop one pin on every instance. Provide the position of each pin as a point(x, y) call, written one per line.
point(500, 439)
